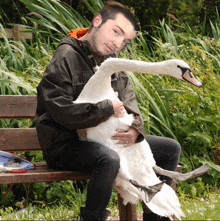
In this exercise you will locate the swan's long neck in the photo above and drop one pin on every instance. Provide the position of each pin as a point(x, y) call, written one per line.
point(113, 65)
point(99, 85)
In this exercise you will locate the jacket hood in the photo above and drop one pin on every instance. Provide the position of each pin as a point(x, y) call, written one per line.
point(76, 44)
point(73, 41)
point(81, 47)
point(73, 36)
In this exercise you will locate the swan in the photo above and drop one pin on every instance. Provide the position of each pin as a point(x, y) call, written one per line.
point(136, 184)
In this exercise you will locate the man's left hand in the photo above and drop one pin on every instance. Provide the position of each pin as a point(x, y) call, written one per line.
point(126, 137)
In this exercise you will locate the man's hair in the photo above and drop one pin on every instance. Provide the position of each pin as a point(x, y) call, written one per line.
point(112, 9)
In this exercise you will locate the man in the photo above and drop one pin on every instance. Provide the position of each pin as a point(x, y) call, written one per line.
point(57, 118)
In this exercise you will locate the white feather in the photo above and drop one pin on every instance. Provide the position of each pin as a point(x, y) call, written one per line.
point(136, 161)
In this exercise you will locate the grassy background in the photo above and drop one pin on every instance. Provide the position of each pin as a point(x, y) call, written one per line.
point(198, 208)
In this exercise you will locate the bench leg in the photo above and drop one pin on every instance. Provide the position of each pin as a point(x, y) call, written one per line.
point(11, 185)
point(180, 170)
point(127, 212)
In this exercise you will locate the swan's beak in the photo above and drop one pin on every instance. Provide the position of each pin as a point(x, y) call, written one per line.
point(188, 76)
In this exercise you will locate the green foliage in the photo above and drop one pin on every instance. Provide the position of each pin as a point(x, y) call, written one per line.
point(22, 65)
point(187, 12)
point(9, 199)
point(43, 194)
point(196, 208)
point(31, 212)
point(11, 11)
point(194, 12)
point(53, 18)
point(169, 107)
point(34, 156)
point(148, 12)
point(92, 6)
point(201, 208)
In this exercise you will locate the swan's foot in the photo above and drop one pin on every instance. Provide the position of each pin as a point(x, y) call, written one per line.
point(150, 191)
point(179, 176)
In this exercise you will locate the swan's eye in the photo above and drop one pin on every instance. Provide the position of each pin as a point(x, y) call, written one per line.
point(190, 74)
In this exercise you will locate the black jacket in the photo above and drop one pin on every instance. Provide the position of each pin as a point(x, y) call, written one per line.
point(57, 118)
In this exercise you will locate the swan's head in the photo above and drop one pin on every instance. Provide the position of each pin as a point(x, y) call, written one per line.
point(181, 70)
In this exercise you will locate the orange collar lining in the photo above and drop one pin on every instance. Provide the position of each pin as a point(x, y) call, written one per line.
point(79, 32)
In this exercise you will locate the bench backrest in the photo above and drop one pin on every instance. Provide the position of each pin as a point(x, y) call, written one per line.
point(18, 139)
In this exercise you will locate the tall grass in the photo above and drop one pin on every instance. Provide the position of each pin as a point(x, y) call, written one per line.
point(53, 18)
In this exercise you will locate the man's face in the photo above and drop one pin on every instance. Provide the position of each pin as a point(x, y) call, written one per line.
point(112, 36)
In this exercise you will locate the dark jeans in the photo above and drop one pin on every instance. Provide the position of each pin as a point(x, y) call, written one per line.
point(166, 152)
point(104, 163)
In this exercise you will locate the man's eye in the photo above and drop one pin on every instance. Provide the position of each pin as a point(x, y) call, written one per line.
point(116, 32)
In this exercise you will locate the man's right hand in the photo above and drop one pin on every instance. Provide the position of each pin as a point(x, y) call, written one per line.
point(118, 109)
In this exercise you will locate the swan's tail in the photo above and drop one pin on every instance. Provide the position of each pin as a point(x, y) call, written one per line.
point(166, 203)
point(150, 191)
point(163, 202)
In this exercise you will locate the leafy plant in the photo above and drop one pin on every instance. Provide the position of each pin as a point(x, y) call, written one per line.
point(54, 19)
point(169, 107)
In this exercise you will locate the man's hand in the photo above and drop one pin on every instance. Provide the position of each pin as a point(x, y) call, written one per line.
point(127, 137)
point(118, 109)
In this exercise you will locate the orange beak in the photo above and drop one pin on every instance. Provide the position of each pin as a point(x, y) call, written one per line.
point(188, 76)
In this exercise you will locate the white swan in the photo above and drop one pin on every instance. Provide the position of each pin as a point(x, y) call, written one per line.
point(137, 165)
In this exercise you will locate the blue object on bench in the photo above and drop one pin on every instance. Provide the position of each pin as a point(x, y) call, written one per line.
point(7, 159)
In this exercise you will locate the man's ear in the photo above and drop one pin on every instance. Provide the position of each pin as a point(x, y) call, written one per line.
point(97, 21)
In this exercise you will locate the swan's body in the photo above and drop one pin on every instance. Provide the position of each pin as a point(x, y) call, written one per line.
point(136, 162)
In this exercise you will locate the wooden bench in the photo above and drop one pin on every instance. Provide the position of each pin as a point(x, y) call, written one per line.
point(25, 139)
point(16, 33)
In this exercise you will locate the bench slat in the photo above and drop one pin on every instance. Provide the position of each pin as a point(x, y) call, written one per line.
point(19, 139)
point(42, 174)
point(17, 107)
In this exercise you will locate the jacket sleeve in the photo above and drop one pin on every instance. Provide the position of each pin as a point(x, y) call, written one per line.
point(56, 93)
point(129, 100)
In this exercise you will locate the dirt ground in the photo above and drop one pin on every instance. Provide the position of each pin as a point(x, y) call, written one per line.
point(116, 218)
